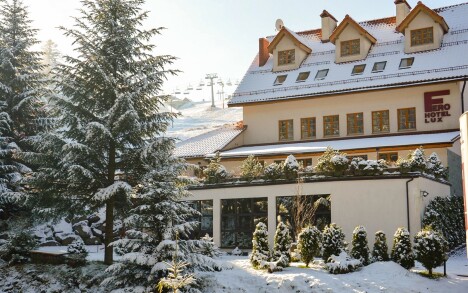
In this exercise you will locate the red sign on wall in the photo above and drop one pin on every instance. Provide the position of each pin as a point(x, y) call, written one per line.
point(434, 108)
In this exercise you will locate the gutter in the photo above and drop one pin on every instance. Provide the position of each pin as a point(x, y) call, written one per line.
point(407, 203)
point(462, 96)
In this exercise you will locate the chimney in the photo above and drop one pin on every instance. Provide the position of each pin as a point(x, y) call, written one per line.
point(328, 25)
point(263, 54)
point(402, 10)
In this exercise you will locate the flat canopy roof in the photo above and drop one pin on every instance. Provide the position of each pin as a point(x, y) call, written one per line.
point(344, 144)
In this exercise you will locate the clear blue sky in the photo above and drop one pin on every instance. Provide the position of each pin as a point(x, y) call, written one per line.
point(218, 36)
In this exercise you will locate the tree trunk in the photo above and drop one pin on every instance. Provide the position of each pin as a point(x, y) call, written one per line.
point(430, 272)
point(109, 233)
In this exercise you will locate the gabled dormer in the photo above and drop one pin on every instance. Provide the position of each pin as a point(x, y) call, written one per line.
point(288, 50)
point(352, 42)
point(423, 28)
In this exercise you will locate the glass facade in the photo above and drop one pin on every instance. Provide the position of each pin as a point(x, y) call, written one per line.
point(205, 226)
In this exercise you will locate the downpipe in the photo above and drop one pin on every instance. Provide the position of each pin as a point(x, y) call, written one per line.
point(407, 203)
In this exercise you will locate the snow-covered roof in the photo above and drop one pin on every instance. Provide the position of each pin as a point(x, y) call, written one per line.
point(344, 144)
point(450, 62)
point(209, 142)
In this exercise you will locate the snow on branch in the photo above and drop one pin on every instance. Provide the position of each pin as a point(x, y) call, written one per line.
point(109, 191)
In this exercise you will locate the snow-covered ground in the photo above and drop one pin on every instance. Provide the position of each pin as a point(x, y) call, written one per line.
point(198, 118)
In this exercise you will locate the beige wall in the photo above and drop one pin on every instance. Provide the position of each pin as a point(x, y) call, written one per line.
point(287, 44)
point(375, 204)
point(464, 155)
point(262, 119)
point(422, 20)
point(350, 33)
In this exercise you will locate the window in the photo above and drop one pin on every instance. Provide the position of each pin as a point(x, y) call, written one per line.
point(379, 66)
point(305, 162)
point(380, 121)
point(321, 74)
point(351, 47)
point(280, 79)
point(286, 131)
point(303, 76)
point(239, 218)
point(422, 36)
point(205, 220)
point(331, 125)
point(350, 158)
point(406, 63)
point(358, 69)
point(286, 57)
point(407, 119)
point(389, 157)
point(307, 128)
point(355, 123)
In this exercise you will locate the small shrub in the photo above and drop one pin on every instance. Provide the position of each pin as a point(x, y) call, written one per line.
point(430, 248)
point(360, 250)
point(332, 162)
point(309, 244)
point(380, 251)
point(215, 172)
point(76, 247)
point(290, 168)
point(415, 162)
point(260, 250)
point(402, 252)
point(208, 247)
point(16, 249)
point(251, 169)
point(333, 241)
point(342, 264)
point(282, 246)
point(435, 167)
point(273, 171)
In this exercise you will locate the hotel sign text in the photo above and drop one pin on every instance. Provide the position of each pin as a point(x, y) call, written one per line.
point(434, 108)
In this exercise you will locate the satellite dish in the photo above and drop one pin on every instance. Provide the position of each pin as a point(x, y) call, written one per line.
point(279, 24)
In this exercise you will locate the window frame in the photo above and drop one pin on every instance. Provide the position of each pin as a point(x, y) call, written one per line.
point(375, 70)
point(407, 122)
point(312, 132)
point(421, 38)
point(381, 124)
point(354, 71)
point(407, 66)
point(317, 77)
point(388, 156)
point(278, 77)
point(355, 121)
point(287, 121)
point(307, 73)
point(330, 123)
point(348, 48)
point(286, 58)
point(305, 162)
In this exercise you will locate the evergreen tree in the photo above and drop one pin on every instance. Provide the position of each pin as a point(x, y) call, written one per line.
point(290, 168)
point(380, 250)
point(260, 250)
point(110, 111)
point(360, 248)
point(333, 241)
point(251, 168)
point(429, 248)
point(21, 87)
point(273, 171)
point(402, 253)
point(282, 244)
point(215, 172)
point(309, 244)
point(51, 56)
point(435, 166)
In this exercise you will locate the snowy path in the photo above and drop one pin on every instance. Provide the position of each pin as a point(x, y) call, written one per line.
point(377, 277)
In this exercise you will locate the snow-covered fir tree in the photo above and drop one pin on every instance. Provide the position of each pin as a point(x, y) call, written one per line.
point(282, 244)
point(77, 247)
point(21, 88)
point(309, 244)
point(110, 111)
point(260, 250)
point(435, 167)
point(273, 171)
point(333, 241)
point(430, 248)
point(360, 247)
point(418, 160)
point(251, 168)
point(402, 252)
point(290, 168)
point(380, 249)
point(158, 217)
point(215, 172)
point(51, 56)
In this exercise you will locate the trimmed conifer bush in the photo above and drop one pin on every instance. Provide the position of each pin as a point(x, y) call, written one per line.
point(360, 250)
point(260, 249)
point(429, 248)
point(251, 168)
point(309, 244)
point(333, 241)
point(402, 252)
point(380, 250)
point(215, 172)
point(282, 246)
point(290, 168)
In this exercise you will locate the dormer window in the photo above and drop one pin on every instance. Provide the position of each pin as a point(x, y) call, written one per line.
point(422, 36)
point(280, 79)
point(406, 63)
point(358, 69)
point(321, 74)
point(286, 57)
point(303, 76)
point(379, 66)
point(352, 47)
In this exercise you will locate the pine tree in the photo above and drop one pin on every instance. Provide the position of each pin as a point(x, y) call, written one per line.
point(309, 244)
point(251, 168)
point(109, 113)
point(282, 244)
point(260, 250)
point(21, 88)
point(360, 249)
point(380, 250)
point(215, 172)
point(51, 56)
point(402, 253)
point(430, 248)
point(418, 160)
point(290, 168)
point(273, 171)
point(435, 166)
point(333, 241)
